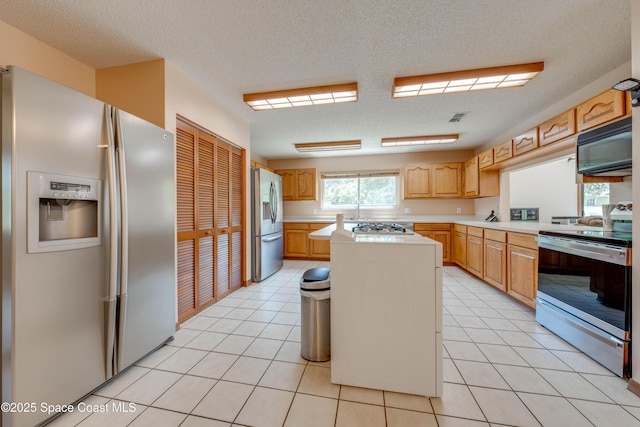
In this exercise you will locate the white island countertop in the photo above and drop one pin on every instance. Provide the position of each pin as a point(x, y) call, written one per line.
point(515, 226)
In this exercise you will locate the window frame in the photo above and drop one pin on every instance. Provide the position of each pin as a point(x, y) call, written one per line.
point(358, 175)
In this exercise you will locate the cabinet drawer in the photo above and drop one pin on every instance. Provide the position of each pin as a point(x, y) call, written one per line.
point(495, 235)
point(475, 231)
point(313, 226)
point(502, 152)
point(524, 240)
point(559, 127)
point(296, 226)
point(460, 228)
point(431, 227)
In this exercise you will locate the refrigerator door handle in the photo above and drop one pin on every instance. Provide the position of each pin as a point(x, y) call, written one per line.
point(272, 239)
point(124, 238)
point(272, 206)
point(275, 203)
point(110, 301)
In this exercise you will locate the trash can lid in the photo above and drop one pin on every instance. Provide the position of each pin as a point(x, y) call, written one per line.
point(316, 274)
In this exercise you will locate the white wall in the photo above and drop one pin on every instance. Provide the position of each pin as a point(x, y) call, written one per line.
point(550, 186)
point(185, 97)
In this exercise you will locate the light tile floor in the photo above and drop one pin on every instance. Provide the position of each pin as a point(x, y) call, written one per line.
point(238, 363)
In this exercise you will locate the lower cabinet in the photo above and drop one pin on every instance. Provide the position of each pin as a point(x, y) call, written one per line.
point(319, 249)
point(460, 245)
point(495, 258)
point(522, 255)
point(475, 259)
point(297, 244)
point(438, 232)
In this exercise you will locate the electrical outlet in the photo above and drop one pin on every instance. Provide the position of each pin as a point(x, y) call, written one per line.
point(407, 210)
point(315, 211)
point(458, 210)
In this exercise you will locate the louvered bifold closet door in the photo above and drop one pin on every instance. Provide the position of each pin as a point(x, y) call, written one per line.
point(186, 217)
point(206, 223)
point(223, 203)
point(211, 194)
point(237, 216)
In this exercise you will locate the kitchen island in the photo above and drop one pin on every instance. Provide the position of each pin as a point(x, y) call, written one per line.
point(386, 312)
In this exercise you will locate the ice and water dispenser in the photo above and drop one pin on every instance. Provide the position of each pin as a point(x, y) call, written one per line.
point(63, 212)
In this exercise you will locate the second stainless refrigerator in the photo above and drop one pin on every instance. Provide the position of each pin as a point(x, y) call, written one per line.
point(266, 224)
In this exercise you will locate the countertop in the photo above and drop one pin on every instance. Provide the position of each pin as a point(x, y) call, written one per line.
point(515, 226)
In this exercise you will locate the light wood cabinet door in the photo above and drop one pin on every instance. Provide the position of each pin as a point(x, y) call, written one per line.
point(522, 270)
point(460, 249)
point(440, 232)
point(296, 243)
point(471, 177)
point(319, 249)
point(475, 259)
point(503, 152)
point(486, 159)
point(417, 181)
point(525, 142)
point(600, 109)
point(447, 179)
point(495, 264)
point(288, 183)
point(557, 128)
point(306, 184)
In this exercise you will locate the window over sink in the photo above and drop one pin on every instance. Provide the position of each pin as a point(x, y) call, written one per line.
point(360, 190)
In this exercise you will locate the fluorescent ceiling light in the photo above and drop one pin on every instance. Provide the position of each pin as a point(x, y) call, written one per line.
point(419, 140)
point(329, 146)
point(301, 97)
point(468, 80)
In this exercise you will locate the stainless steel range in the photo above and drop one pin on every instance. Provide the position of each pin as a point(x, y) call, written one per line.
point(379, 227)
point(584, 293)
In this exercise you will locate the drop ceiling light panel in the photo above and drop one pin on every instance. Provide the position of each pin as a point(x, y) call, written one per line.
point(466, 81)
point(418, 140)
point(302, 97)
point(329, 146)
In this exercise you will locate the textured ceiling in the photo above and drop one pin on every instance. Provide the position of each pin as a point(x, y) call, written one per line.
point(238, 46)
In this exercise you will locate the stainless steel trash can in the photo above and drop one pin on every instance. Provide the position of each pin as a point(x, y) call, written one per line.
point(315, 294)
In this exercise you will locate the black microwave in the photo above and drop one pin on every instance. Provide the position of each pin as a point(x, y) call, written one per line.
point(605, 151)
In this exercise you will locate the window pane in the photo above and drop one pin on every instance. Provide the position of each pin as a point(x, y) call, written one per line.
point(378, 191)
point(340, 192)
point(594, 195)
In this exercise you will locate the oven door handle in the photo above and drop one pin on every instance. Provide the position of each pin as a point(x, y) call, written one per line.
point(614, 256)
point(584, 326)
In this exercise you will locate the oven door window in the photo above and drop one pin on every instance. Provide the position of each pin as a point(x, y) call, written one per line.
point(595, 287)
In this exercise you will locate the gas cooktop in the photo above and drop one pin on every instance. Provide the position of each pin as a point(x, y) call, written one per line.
point(376, 227)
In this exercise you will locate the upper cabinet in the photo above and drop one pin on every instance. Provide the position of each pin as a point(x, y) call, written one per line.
point(298, 184)
point(525, 142)
point(417, 181)
point(503, 152)
point(600, 109)
point(557, 128)
point(486, 159)
point(471, 177)
point(480, 183)
point(447, 179)
point(423, 181)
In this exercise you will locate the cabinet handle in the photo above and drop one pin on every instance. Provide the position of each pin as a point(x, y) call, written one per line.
point(495, 247)
point(523, 255)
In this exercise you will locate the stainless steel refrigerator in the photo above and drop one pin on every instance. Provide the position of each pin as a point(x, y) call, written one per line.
point(266, 224)
point(88, 242)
